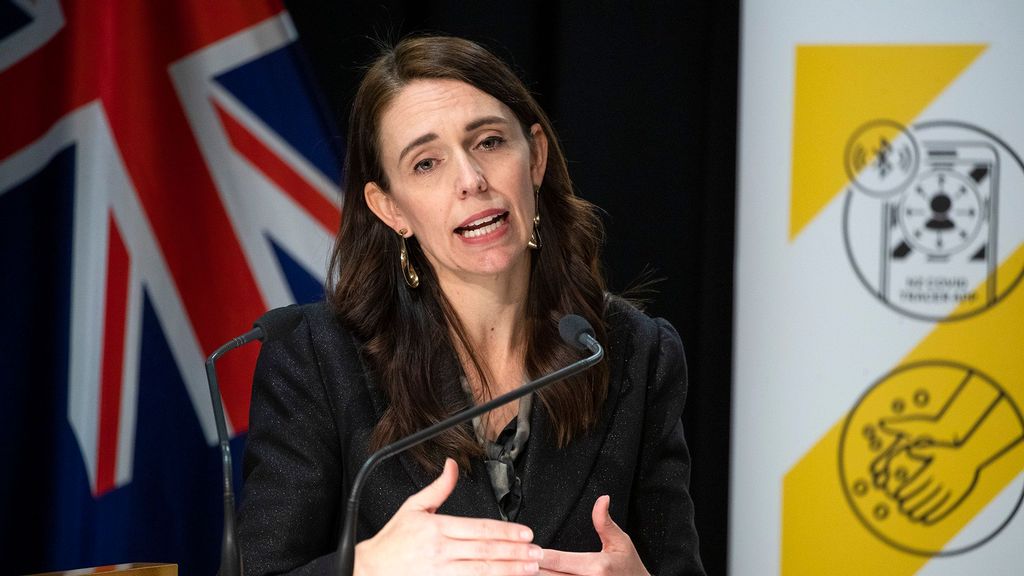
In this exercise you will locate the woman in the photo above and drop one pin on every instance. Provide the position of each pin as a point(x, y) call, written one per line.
point(461, 246)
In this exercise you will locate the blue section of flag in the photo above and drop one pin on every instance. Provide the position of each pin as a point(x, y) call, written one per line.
point(12, 18)
point(290, 105)
point(35, 285)
point(305, 287)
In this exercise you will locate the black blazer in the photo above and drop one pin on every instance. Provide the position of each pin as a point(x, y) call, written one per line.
point(314, 406)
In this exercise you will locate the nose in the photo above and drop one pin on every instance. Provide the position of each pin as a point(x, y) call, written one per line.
point(470, 177)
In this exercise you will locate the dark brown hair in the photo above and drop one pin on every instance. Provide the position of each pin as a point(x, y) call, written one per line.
point(409, 332)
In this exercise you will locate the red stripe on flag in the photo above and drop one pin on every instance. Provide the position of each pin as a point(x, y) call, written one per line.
point(172, 178)
point(280, 173)
point(112, 362)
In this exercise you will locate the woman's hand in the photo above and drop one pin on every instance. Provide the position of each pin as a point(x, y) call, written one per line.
point(417, 540)
point(617, 557)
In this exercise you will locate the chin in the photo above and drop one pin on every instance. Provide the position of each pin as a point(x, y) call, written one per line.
point(498, 264)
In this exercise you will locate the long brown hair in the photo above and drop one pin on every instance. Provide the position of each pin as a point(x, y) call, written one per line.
point(409, 332)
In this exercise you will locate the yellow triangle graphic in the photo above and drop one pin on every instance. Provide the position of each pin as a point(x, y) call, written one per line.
point(839, 89)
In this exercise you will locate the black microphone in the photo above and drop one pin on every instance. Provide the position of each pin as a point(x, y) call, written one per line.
point(270, 326)
point(573, 329)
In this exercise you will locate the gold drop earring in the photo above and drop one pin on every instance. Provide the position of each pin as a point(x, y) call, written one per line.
point(412, 279)
point(535, 242)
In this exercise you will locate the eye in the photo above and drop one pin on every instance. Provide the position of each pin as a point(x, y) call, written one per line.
point(425, 165)
point(491, 142)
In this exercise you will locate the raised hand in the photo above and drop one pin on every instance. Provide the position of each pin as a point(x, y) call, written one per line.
point(418, 540)
point(617, 557)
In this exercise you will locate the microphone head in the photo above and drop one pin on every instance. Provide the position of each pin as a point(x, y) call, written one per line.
point(278, 322)
point(571, 327)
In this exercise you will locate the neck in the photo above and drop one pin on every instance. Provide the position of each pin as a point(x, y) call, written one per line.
point(492, 311)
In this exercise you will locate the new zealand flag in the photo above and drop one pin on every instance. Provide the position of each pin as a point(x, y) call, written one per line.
point(166, 176)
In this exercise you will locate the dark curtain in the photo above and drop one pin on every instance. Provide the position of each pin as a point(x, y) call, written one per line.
point(643, 96)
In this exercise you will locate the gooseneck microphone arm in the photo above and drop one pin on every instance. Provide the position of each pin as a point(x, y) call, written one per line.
point(574, 330)
point(270, 326)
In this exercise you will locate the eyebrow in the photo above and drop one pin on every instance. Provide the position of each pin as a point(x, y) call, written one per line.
point(430, 136)
point(421, 140)
point(485, 121)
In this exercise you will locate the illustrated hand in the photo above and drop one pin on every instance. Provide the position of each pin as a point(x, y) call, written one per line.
point(922, 430)
point(418, 540)
point(891, 469)
point(617, 557)
point(923, 469)
point(894, 466)
point(882, 466)
point(900, 467)
point(939, 486)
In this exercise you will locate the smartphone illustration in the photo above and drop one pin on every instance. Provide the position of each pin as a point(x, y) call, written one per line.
point(939, 232)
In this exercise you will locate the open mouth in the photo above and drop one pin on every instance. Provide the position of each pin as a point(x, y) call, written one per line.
point(482, 226)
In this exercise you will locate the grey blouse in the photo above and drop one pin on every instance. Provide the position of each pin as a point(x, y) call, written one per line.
point(500, 457)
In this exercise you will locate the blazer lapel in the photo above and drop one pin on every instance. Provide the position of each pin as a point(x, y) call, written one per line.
point(473, 495)
point(417, 478)
point(554, 478)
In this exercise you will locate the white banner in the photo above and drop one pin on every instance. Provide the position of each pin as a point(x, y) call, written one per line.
point(879, 372)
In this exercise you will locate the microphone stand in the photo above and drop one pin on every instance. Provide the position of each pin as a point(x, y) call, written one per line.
point(230, 556)
point(270, 326)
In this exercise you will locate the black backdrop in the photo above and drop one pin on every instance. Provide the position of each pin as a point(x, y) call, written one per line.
point(644, 101)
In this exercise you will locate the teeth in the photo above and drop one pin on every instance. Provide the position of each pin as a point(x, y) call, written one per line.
point(482, 226)
point(480, 221)
point(481, 231)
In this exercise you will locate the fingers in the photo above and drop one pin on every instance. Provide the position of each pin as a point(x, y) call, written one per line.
point(909, 426)
point(434, 543)
point(492, 550)
point(617, 555)
point(919, 500)
point(434, 494)
point(559, 562)
point(943, 509)
point(607, 530)
point(880, 465)
point(880, 468)
point(934, 511)
point(460, 528)
point(929, 502)
point(599, 515)
point(915, 483)
point(491, 568)
point(484, 547)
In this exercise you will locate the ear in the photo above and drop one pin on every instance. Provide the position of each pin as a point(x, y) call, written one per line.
point(538, 154)
point(383, 205)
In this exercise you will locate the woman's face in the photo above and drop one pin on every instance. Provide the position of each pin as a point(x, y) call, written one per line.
point(462, 176)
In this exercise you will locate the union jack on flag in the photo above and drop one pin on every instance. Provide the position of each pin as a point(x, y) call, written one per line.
point(166, 175)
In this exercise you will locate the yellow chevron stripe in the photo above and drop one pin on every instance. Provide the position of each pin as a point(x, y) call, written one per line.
point(838, 89)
